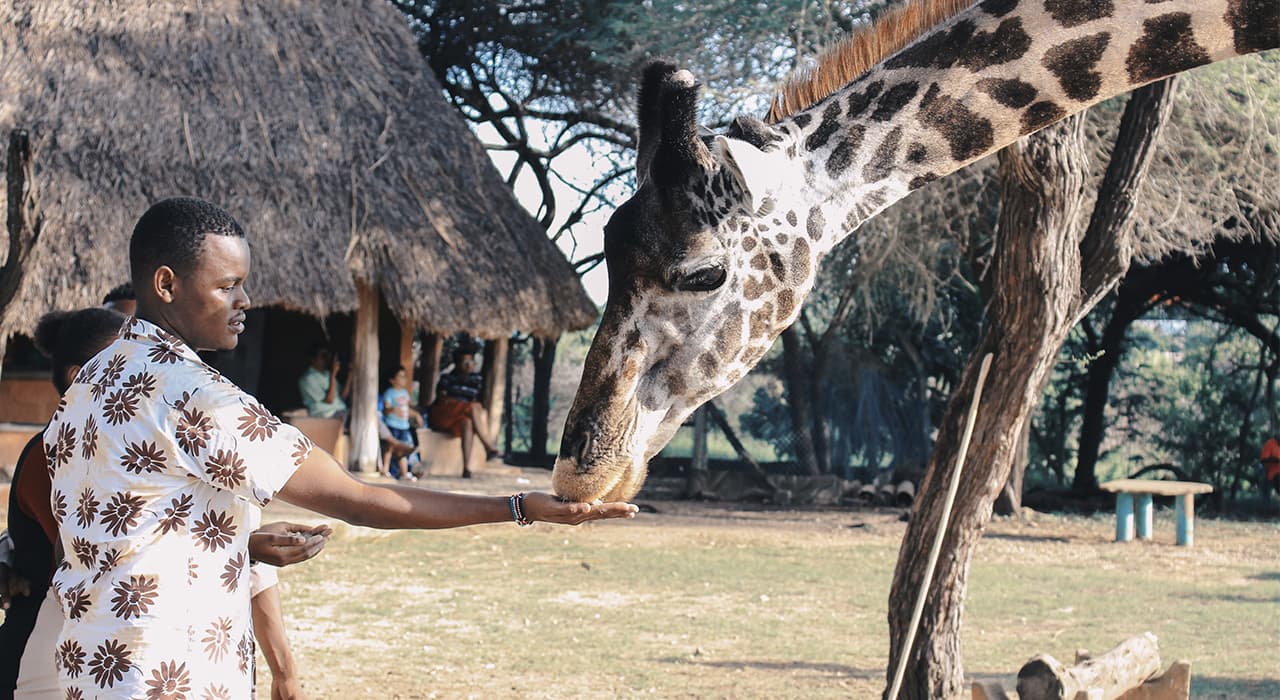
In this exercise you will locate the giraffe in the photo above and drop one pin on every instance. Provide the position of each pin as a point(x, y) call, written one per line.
point(712, 256)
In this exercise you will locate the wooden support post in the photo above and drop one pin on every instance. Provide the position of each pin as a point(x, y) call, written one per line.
point(1106, 677)
point(1185, 505)
point(1143, 516)
point(1124, 517)
point(22, 231)
point(407, 331)
point(365, 450)
point(696, 479)
point(495, 382)
point(429, 370)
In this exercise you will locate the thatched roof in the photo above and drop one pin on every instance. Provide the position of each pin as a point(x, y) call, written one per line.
point(316, 124)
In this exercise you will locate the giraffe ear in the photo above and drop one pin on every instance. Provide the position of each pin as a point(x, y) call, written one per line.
point(759, 172)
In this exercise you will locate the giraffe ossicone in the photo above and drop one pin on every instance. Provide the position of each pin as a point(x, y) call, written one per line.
point(711, 258)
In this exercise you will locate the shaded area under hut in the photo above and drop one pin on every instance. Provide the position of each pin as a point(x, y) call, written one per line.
point(320, 127)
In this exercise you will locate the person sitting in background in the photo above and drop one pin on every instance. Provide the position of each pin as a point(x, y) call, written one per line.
point(318, 385)
point(456, 410)
point(400, 419)
point(1269, 460)
point(121, 299)
point(31, 627)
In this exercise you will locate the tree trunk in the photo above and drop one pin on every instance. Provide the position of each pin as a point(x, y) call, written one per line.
point(508, 401)
point(1041, 289)
point(798, 393)
point(544, 359)
point(1009, 502)
point(495, 382)
point(364, 390)
point(22, 231)
point(1097, 390)
point(695, 485)
point(1036, 275)
point(429, 370)
point(817, 383)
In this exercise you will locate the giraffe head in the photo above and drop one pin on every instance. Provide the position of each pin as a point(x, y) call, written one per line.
point(705, 270)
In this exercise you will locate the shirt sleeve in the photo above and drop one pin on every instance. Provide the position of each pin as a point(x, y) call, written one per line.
point(249, 451)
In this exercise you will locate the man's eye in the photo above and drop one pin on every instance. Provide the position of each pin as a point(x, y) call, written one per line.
point(703, 280)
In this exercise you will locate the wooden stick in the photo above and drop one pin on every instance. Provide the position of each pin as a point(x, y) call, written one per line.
point(942, 530)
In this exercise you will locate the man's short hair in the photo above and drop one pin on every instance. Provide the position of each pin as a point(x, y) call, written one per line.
point(172, 233)
point(120, 292)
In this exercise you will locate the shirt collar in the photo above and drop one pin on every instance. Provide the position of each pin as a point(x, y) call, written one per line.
point(160, 340)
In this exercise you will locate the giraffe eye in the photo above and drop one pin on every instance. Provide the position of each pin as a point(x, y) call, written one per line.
point(703, 280)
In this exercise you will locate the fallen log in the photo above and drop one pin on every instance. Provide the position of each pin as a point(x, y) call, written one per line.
point(1105, 677)
point(904, 494)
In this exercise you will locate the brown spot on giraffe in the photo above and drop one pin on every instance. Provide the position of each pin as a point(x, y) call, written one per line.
point(1072, 63)
point(786, 304)
point(676, 383)
point(777, 267)
point(894, 99)
point(792, 219)
point(884, 160)
point(753, 289)
point(998, 8)
point(1009, 92)
point(921, 180)
point(859, 100)
point(815, 223)
point(729, 340)
point(842, 155)
point(1073, 13)
point(1167, 46)
point(1040, 115)
point(708, 363)
point(829, 125)
point(748, 243)
point(760, 262)
point(968, 134)
point(1254, 24)
point(761, 322)
point(916, 153)
point(800, 260)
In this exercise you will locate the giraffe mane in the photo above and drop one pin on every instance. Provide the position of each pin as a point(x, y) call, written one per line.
point(856, 54)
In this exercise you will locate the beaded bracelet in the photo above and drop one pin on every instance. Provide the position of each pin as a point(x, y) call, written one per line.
point(516, 502)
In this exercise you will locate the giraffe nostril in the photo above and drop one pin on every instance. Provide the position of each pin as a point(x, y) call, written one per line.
point(582, 449)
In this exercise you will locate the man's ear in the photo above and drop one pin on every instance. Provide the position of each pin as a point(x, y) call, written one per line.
point(70, 375)
point(759, 172)
point(162, 283)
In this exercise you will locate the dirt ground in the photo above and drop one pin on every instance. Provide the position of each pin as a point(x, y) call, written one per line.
point(714, 600)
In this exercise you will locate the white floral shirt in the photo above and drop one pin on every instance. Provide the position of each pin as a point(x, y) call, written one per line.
point(158, 465)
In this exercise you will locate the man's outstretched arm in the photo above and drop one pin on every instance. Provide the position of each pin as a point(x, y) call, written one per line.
point(322, 485)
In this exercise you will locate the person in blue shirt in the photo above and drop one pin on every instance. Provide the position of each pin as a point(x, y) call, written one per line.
point(400, 418)
point(319, 385)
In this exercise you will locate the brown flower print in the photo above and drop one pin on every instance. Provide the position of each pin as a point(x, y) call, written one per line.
point(163, 353)
point(110, 662)
point(70, 658)
point(88, 372)
point(63, 449)
point(226, 468)
point(98, 390)
point(86, 552)
point(74, 694)
point(169, 682)
point(119, 407)
point(175, 516)
point(257, 423)
point(141, 384)
point(133, 597)
point(143, 458)
point(182, 402)
point(115, 367)
point(86, 508)
point(245, 651)
point(194, 428)
point(59, 503)
point(76, 601)
point(216, 692)
point(301, 449)
point(121, 513)
point(214, 530)
point(109, 560)
point(217, 639)
point(231, 572)
point(89, 443)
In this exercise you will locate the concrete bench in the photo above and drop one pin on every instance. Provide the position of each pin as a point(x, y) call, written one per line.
point(1129, 491)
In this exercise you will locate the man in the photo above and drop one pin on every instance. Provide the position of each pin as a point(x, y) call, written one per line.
point(318, 385)
point(159, 466)
point(1269, 461)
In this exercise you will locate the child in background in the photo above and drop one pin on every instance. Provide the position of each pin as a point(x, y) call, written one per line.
point(400, 418)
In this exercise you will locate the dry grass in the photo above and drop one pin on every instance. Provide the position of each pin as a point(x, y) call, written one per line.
point(716, 601)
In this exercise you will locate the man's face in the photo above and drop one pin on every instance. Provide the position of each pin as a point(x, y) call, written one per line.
point(209, 301)
point(467, 364)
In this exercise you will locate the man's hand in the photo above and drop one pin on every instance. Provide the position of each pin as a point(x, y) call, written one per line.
point(549, 509)
point(286, 688)
point(281, 543)
point(11, 586)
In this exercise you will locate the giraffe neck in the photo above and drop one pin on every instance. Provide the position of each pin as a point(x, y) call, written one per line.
point(993, 73)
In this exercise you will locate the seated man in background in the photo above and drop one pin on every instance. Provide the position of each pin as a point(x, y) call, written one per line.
point(318, 385)
point(456, 409)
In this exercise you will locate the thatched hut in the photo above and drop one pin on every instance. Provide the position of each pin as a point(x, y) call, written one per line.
point(318, 125)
